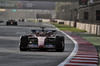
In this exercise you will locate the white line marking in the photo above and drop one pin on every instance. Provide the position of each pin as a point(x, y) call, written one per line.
point(81, 64)
point(86, 58)
point(89, 61)
point(73, 52)
point(87, 55)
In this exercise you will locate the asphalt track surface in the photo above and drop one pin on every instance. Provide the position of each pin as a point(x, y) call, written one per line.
point(10, 55)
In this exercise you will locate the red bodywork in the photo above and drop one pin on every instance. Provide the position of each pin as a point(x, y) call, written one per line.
point(41, 41)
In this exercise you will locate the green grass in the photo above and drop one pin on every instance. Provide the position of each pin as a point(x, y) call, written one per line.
point(95, 40)
point(67, 28)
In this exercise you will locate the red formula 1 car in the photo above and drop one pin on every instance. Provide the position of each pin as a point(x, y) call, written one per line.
point(42, 39)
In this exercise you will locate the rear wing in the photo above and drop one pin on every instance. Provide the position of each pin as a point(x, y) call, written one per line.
point(42, 28)
point(38, 31)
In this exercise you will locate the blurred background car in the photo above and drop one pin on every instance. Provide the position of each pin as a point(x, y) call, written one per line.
point(21, 20)
point(11, 22)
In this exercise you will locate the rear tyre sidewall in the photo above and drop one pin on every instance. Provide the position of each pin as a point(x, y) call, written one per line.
point(59, 43)
point(23, 43)
point(7, 23)
point(15, 23)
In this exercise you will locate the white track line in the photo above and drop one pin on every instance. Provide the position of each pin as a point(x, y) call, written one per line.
point(73, 52)
point(81, 64)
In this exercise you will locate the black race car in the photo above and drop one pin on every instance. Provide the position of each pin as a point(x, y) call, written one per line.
point(42, 39)
point(11, 22)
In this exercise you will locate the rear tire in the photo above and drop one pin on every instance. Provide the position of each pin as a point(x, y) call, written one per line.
point(23, 43)
point(7, 23)
point(59, 43)
point(15, 23)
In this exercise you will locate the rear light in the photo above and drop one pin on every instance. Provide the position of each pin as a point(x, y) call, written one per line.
point(11, 22)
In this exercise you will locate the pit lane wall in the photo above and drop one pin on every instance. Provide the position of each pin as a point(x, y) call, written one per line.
point(88, 18)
